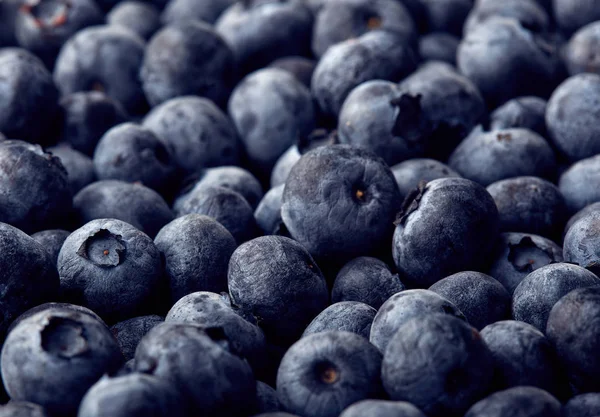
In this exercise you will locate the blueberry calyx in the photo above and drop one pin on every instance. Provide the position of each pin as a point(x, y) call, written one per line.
point(64, 337)
point(103, 249)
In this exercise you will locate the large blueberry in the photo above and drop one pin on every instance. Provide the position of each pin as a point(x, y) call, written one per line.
point(410, 173)
point(582, 244)
point(51, 240)
point(526, 112)
point(348, 316)
point(583, 405)
point(517, 402)
point(580, 53)
point(128, 333)
point(584, 212)
point(580, 184)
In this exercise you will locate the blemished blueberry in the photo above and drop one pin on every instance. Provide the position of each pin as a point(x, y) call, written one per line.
point(382, 408)
point(571, 116)
point(322, 374)
point(535, 296)
point(141, 18)
point(271, 110)
point(582, 244)
point(446, 15)
point(87, 116)
point(43, 27)
point(29, 98)
point(529, 205)
point(339, 202)
point(523, 356)
point(197, 132)
point(439, 46)
point(22, 409)
point(133, 395)
point(79, 167)
point(529, 13)
point(191, 359)
point(377, 54)
point(196, 251)
point(401, 308)
point(34, 188)
point(446, 226)
point(136, 204)
point(493, 52)
point(367, 280)
point(300, 67)
point(106, 59)
point(261, 31)
point(187, 58)
point(53, 306)
point(266, 399)
point(487, 157)
point(276, 279)
point(580, 183)
point(410, 173)
point(339, 20)
point(348, 316)
point(112, 268)
point(526, 112)
point(132, 153)
point(51, 240)
point(206, 11)
point(66, 353)
point(268, 213)
point(580, 53)
point(519, 254)
point(438, 363)
point(584, 212)
point(583, 405)
point(128, 333)
point(517, 402)
point(482, 299)
point(571, 15)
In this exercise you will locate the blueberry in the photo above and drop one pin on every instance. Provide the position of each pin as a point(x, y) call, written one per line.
point(365, 279)
point(300, 67)
point(66, 353)
point(276, 279)
point(517, 402)
point(571, 15)
point(410, 173)
point(134, 395)
point(266, 399)
point(112, 268)
point(438, 46)
point(324, 373)
point(446, 15)
point(106, 59)
point(382, 408)
point(79, 167)
point(206, 11)
point(191, 359)
point(28, 97)
point(51, 240)
point(438, 363)
point(523, 356)
point(529, 205)
point(584, 212)
point(526, 112)
point(571, 116)
point(348, 316)
point(198, 133)
point(22, 409)
point(139, 17)
point(581, 245)
point(132, 203)
point(528, 13)
point(519, 254)
point(539, 291)
point(339, 201)
point(401, 308)
point(446, 226)
point(53, 306)
point(580, 52)
point(128, 333)
point(580, 183)
point(583, 405)
point(187, 58)
point(268, 212)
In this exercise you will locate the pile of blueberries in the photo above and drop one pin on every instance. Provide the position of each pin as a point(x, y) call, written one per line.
point(300, 208)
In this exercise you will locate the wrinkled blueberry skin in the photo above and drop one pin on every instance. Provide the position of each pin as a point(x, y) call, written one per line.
point(112, 268)
point(104, 58)
point(525, 112)
point(22, 409)
point(401, 308)
point(133, 395)
point(300, 67)
point(584, 212)
point(439, 364)
point(261, 31)
point(128, 333)
point(191, 359)
point(268, 212)
point(34, 187)
point(79, 167)
point(382, 408)
point(66, 353)
point(367, 280)
point(446, 15)
point(410, 173)
point(439, 46)
point(519, 254)
point(29, 98)
point(571, 116)
point(348, 316)
point(339, 20)
point(581, 245)
point(196, 251)
point(449, 225)
point(271, 110)
point(324, 373)
point(266, 399)
point(187, 58)
point(539, 291)
point(206, 11)
point(517, 402)
point(51, 240)
point(487, 157)
point(529, 205)
point(375, 55)
point(580, 184)
point(276, 279)
point(142, 18)
point(197, 132)
point(136, 204)
point(582, 405)
point(523, 356)
point(528, 13)
point(574, 14)
point(579, 52)
point(339, 201)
